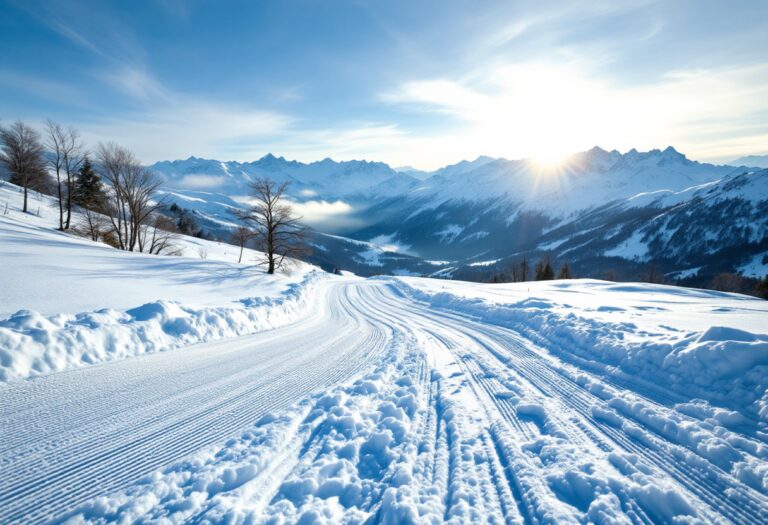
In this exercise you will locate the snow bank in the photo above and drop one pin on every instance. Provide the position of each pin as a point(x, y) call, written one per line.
point(32, 343)
point(724, 365)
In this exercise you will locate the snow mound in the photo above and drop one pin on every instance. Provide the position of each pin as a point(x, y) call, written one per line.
point(32, 343)
point(723, 365)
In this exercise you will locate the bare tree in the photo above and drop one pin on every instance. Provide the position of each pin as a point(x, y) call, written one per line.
point(74, 155)
point(159, 236)
point(22, 155)
point(565, 272)
point(520, 270)
point(277, 230)
point(132, 197)
point(93, 224)
point(55, 143)
point(241, 236)
point(652, 274)
point(67, 156)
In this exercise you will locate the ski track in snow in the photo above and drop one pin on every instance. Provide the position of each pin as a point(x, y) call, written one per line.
point(373, 407)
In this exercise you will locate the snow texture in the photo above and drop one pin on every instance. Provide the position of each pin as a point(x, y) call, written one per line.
point(387, 400)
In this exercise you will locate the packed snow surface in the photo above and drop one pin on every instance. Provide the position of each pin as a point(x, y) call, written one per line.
point(388, 400)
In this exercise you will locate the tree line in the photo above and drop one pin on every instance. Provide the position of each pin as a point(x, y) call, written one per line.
point(117, 196)
point(119, 200)
point(521, 271)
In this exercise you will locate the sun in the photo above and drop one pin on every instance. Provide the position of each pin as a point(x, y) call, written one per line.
point(549, 159)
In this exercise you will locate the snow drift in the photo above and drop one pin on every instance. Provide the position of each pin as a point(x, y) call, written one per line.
point(724, 365)
point(32, 343)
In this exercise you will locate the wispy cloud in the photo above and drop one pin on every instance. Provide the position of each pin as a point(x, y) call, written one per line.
point(90, 27)
point(189, 127)
point(510, 79)
point(135, 82)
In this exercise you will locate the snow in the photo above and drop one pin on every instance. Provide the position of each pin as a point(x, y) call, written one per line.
point(456, 418)
point(370, 256)
point(358, 440)
point(702, 344)
point(689, 272)
point(757, 266)
point(632, 248)
point(449, 233)
point(68, 302)
point(485, 263)
point(325, 399)
point(388, 243)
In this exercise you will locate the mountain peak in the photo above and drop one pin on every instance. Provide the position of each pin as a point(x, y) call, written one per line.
point(597, 150)
point(670, 154)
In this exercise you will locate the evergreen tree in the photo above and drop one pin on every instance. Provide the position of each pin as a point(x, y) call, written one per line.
point(185, 221)
point(761, 288)
point(549, 273)
point(89, 190)
point(544, 271)
point(565, 272)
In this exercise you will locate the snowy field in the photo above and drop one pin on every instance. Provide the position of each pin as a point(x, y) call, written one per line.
point(179, 389)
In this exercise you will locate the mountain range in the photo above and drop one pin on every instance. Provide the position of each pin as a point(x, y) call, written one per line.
point(605, 213)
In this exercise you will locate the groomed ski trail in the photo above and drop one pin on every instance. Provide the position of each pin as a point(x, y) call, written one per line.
point(483, 426)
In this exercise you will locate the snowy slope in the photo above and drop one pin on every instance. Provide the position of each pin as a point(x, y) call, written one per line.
point(701, 343)
point(67, 302)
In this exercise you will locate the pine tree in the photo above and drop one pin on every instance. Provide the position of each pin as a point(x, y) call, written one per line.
point(761, 288)
point(549, 273)
point(544, 271)
point(89, 190)
point(185, 221)
point(565, 272)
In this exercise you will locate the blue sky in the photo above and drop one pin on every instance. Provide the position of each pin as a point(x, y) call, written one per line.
point(409, 83)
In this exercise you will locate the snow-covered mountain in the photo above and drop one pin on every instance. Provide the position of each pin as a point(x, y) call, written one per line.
point(601, 211)
point(755, 161)
point(326, 178)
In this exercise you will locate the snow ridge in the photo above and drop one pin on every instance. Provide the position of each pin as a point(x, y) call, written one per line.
point(33, 344)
